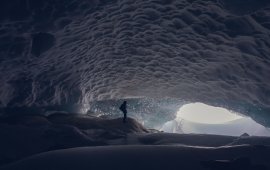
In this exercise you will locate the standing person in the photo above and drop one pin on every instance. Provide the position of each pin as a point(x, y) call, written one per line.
point(123, 108)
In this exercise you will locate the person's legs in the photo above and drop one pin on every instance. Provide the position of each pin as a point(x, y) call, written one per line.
point(125, 117)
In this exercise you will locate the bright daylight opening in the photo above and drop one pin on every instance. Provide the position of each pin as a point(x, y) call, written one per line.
point(204, 119)
point(202, 113)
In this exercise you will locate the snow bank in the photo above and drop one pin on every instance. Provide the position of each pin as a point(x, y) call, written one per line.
point(142, 157)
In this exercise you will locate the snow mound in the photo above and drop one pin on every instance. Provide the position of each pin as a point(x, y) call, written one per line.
point(143, 157)
point(25, 135)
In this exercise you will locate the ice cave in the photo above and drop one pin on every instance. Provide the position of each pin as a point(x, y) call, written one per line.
point(195, 75)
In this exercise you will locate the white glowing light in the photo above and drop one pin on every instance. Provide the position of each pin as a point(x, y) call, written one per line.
point(202, 113)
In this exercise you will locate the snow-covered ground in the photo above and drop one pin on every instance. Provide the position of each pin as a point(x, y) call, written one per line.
point(37, 142)
point(149, 157)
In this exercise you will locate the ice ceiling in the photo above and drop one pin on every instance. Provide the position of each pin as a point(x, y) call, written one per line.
point(72, 52)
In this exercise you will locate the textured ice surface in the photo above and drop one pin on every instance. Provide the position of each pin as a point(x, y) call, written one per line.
point(67, 52)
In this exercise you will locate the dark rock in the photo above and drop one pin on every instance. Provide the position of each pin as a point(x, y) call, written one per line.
point(245, 135)
point(42, 42)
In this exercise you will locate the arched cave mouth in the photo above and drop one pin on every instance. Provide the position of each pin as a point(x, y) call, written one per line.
point(178, 116)
point(199, 118)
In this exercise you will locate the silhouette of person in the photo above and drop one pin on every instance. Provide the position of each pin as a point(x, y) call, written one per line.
point(123, 108)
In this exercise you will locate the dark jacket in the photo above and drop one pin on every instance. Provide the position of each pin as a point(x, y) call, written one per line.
point(123, 107)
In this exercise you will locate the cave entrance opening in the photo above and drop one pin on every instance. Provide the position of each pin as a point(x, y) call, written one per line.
point(200, 118)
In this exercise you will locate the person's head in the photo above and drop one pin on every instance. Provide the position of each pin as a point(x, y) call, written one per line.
point(125, 102)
